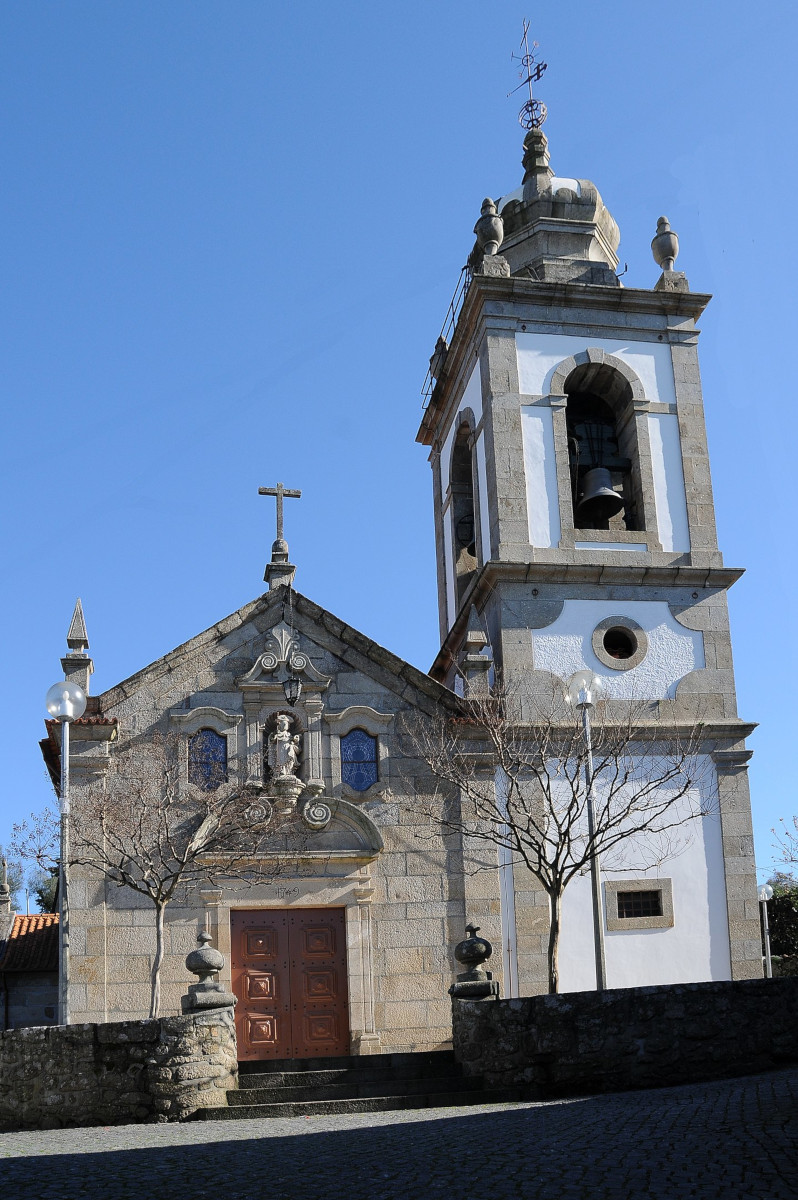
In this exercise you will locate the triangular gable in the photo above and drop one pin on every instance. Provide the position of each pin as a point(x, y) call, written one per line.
point(312, 622)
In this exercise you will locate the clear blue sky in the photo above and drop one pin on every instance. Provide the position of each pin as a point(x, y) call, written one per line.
point(230, 234)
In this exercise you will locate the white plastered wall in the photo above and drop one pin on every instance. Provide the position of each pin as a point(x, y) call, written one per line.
point(540, 469)
point(539, 354)
point(566, 646)
point(669, 493)
point(695, 949)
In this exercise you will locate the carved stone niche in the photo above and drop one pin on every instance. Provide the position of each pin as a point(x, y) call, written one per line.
point(296, 775)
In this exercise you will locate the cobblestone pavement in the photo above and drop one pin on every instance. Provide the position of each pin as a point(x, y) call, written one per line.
point(733, 1139)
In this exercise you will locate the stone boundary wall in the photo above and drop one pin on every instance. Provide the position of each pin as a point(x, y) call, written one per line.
point(581, 1043)
point(117, 1073)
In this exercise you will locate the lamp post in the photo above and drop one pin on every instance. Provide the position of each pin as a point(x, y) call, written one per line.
point(65, 702)
point(765, 894)
point(584, 689)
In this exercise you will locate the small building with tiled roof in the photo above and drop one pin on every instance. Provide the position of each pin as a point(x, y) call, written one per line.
point(29, 972)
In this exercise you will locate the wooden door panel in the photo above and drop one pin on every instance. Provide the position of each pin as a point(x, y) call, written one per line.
point(260, 979)
point(318, 985)
point(289, 974)
point(320, 1034)
point(262, 1030)
point(319, 1009)
point(261, 985)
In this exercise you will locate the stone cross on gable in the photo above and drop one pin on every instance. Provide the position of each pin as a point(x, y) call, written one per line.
point(280, 492)
point(279, 570)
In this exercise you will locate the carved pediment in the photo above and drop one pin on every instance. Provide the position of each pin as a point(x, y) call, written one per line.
point(282, 658)
point(349, 834)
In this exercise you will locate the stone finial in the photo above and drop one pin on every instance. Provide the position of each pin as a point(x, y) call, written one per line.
point(472, 953)
point(489, 228)
point(205, 963)
point(665, 245)
point(438, 359)
point(473, 983)
point(537, 172)
point(78, 667)
point(5, 891)
point(77, 638)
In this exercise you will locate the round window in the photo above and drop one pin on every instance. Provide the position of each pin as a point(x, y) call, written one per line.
point(620, 642)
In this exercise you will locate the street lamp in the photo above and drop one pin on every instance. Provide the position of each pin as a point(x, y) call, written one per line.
point(765, 894)
point(65, 702)
point(584, 689)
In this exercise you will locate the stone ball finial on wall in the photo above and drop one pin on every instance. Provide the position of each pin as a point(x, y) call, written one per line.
point(205, 963)
point(472, 953)
point(473, 983)
point(489, 228)
point(665, 245)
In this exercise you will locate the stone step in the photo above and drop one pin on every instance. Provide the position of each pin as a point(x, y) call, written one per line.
point(318, 1108)
point(272, 1079)
point(415, 1060)
point(349, 1089)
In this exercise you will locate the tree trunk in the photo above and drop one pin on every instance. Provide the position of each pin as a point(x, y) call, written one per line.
point(555, 908)
point(155, 977)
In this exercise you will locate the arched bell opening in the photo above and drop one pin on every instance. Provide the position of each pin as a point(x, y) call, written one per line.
point(602, 449)
point(462, 511)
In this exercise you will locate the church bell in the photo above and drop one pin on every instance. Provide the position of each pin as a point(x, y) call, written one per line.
point(599, 500)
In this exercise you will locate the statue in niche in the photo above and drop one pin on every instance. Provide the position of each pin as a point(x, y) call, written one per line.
point(283, 749)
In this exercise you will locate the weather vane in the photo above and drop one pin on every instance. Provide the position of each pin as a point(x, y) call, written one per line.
point(533, 114)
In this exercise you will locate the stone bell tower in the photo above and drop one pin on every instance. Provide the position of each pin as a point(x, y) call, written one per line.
point(573, 506)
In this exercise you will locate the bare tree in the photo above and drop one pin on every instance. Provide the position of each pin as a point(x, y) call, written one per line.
point(14, 877)
point(145, 828)
point(520, 785)
point(787, 840)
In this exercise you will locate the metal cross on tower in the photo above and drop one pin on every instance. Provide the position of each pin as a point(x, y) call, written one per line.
point(533, 114)
point(279, 492)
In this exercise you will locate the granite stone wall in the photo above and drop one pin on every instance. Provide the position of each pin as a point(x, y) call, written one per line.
point(579, 1043)
point(117, 1073)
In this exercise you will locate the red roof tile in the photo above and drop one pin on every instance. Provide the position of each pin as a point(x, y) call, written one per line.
point(32, 944)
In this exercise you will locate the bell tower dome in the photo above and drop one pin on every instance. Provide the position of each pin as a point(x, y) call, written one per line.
point(573, 506)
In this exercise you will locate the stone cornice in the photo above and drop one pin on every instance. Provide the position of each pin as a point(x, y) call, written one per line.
point(622, 574)
point(730, 729)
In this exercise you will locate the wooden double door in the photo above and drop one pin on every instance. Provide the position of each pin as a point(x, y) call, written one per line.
point(289, 975)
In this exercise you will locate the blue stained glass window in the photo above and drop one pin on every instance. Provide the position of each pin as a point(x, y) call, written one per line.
point(359, 760)
point(207, 759)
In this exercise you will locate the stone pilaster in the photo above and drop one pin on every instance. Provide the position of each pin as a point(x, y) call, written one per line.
point(745, 942)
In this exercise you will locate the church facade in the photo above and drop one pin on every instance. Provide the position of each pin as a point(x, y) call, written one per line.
point(575, 530)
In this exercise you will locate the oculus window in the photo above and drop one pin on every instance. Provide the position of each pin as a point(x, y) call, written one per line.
point(359, 760)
